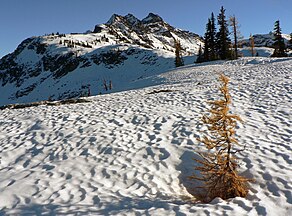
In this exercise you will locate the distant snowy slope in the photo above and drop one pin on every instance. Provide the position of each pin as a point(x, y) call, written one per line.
point(260, 51)
point(59, 66)
point(130, 153)
point(264, 40)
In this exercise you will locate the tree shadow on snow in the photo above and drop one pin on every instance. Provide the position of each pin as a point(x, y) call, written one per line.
point(32, 209)
point(121, 205)
point(187, 169)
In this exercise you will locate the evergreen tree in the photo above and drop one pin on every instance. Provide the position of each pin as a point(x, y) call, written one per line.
point(212, 43)
point(209, 40)
point(207, 52)
point(200, 57)
point(279, 44)
point(222, 36)
point(218, 164)
point(178, 58)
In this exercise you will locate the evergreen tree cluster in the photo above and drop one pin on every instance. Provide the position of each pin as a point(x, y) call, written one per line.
point(216, 44)
point(72, 44)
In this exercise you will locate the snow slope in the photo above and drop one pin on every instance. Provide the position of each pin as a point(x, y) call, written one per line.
point(130, 153)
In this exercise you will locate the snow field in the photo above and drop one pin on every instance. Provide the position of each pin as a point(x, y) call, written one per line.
point(130, 153)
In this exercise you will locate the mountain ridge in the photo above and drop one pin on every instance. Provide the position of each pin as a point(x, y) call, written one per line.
point(62, 66)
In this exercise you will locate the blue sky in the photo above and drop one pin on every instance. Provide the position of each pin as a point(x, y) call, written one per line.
point(20, 19)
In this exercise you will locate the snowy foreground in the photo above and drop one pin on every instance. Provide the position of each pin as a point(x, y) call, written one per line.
point(130, 153)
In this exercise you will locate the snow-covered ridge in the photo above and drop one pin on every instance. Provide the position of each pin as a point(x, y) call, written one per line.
point(264, 40)
point(151, 32)
point(122, 51)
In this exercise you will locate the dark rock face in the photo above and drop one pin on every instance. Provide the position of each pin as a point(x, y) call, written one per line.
point(132, 19)
point(25, 91)
point(12, 71)
point(152, 18)
point(109, 59)
point(97, 29)
point(40, 48)
point(61, 65)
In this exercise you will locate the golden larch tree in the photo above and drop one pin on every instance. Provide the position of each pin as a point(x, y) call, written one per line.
point(252, 49)
point(218, 165)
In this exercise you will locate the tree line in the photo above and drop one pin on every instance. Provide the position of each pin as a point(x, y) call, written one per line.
point(218, 45)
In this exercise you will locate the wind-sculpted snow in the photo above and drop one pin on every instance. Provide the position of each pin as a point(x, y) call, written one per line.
point(131, 153)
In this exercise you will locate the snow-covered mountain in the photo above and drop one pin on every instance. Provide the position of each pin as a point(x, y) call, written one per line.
point(263, 45)
point(264, 40)
point(131, 153)
point(109, 58)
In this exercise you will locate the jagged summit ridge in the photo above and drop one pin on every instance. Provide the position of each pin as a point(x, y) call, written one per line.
point(150, 32)
point(114, 18)
point(152, 18)
point(130, 18)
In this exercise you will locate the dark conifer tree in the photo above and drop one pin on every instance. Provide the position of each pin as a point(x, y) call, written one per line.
point(178, 58)
point(279, 44)
point(209, 40)
point(222, 36)
point(200, 57)
point(207, 52)
point(213, 55)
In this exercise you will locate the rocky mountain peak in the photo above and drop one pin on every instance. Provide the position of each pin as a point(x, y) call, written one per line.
point(132, 19)
point(114, 18)
point(152, 18)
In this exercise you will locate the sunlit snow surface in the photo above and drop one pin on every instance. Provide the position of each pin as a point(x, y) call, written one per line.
point(130, 153)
